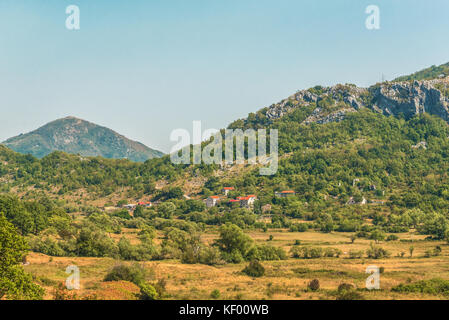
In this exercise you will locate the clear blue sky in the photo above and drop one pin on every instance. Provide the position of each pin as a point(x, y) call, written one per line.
point(144, 68)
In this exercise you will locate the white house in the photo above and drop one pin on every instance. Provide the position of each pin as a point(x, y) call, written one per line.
point(248, 201)
point(212, 201)
point(284, 194)
point(226, 190)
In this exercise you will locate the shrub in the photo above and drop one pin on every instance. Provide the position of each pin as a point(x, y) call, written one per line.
point(350, 294)
point(266, 253)
point(160, 287)
point(148, 292)
point(392, 237)
point(314, 285)
point(254, 269)
point(353, 254)
point(134, 274)
point(375, 252)
point(210, 256)
point(299, 227)
point(432, 286)
point(433, 253)
point(332, 252)
point(307, 252)
point(215, 294)
point(345, 286)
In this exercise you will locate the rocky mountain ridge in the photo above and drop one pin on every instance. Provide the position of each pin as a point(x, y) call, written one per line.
point(406, 98)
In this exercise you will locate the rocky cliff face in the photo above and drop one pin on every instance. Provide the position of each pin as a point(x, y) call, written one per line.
point(412, 98)
point(407, 98)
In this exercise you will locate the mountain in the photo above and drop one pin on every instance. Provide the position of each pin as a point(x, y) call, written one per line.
point(393, 135)
point(77, 136)
point(321, 105)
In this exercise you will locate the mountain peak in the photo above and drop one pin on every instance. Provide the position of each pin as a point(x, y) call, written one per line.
point(78, 136)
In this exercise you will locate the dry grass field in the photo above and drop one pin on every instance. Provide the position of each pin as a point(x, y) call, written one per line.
point(285, 279)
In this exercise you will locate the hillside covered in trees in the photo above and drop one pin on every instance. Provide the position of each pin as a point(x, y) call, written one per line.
point(353, 167)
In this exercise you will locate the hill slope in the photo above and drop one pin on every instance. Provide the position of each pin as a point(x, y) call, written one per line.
point(428, 73)
point(73, 135)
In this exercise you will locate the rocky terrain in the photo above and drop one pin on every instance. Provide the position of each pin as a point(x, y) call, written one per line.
point(406, 98)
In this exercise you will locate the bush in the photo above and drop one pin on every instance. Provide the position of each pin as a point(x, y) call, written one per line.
point(433, 253)
point(392, 237)
point(210, 256)
point(266, 253)
point(353, 254)
point(148, 292)
point(332, 252)
point(350, 294)
point(314, 285)
point(134, 274)
point(299, 227)
point(375, 252)
point(432, 286)
point(254, 269)
point(345, 286)
point(215, 294)
point(314, 252)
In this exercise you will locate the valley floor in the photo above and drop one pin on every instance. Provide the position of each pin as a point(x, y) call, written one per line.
point(285, 279)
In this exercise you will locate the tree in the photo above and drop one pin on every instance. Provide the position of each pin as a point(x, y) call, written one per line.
point(233, 242)
point(353, 237)
point(166, 210)
point(14, 282)
point(254, 269)
point(377, 235)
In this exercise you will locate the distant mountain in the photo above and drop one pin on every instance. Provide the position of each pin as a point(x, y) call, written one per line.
point(77, 136)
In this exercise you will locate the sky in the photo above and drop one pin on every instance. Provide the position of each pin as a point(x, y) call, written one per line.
point(146, 67)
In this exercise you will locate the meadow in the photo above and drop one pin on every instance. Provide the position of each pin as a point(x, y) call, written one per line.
point(284, 279)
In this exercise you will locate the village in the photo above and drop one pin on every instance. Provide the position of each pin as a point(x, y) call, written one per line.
point(248, 201)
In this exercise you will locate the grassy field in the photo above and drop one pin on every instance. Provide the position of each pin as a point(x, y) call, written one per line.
point(286, 279)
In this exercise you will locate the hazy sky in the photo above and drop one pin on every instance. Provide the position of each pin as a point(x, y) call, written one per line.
point(144, 68)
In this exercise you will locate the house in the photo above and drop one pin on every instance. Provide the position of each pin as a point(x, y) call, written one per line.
point(145, 204)
point(351, 201)
point(130, 206)
point(422, 144)
point(378, 202)
point(212, 201)
point(284, 194)
point(248, 201)
point(226, 190)
point(266, 208)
